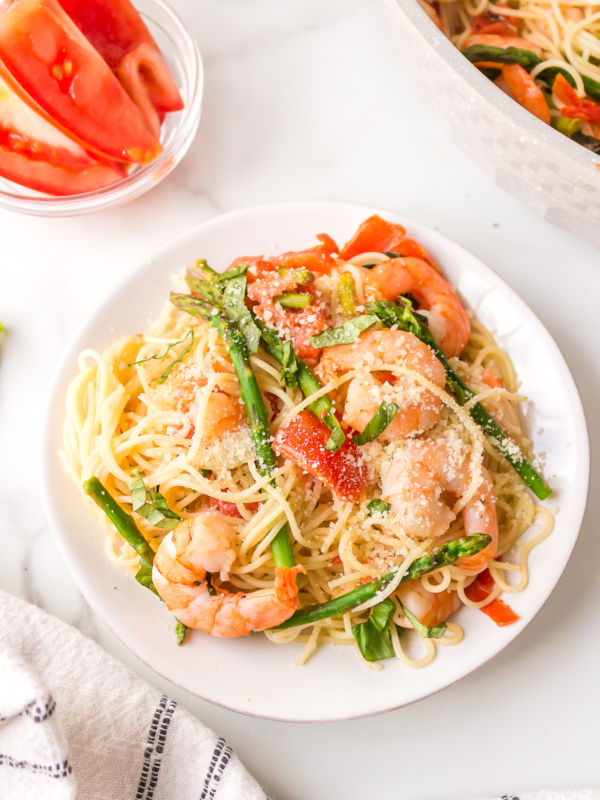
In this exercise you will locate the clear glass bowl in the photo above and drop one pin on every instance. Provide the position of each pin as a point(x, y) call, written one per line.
point(183, 57)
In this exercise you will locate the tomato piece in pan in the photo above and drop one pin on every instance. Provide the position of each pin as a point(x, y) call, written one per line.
point(303, 442)
point(53, 65)
point(34, 153)
point(575, 107)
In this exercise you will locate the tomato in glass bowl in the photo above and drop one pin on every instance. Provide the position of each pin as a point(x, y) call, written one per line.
point(75, 169)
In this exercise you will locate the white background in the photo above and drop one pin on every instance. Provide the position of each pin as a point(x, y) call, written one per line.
point(307, 99)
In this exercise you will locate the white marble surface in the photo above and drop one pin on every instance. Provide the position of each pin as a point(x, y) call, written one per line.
point(306, 99)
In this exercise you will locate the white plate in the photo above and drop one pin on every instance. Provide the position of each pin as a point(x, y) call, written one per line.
point(252, 675)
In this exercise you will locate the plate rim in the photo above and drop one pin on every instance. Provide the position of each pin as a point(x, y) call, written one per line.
point(65, 368)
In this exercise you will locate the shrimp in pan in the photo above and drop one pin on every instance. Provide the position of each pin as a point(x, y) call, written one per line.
point(447, 319)
point(419, 408)
point(415, 482)
point(201, 545)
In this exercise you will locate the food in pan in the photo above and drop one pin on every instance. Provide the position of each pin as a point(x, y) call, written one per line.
point(545, 55)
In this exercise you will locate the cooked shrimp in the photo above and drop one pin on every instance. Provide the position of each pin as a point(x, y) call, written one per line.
point(419, 408)
point(187, 388)
point(201, 545)
point(447, 319)
point(519, 85)
point(414, 484)
point(430, 608)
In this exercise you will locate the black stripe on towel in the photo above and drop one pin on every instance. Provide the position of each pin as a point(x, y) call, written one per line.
point(218, 762)
point(60, 770)
point(160, 746)
point(141, 790)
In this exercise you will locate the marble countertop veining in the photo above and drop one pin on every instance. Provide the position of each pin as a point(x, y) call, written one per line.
point(307, 99)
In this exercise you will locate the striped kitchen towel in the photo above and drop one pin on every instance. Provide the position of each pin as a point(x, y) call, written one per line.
point(557, 794)
point(75, 722)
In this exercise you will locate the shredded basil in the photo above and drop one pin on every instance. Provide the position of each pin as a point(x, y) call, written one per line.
point(234, 272)
point(377, 424)
point(378, 507)
point(373, 636)
point(348, 333)
point(338, 437)
point(164, 351)
point(156, 511)
point(423, 630)
point(206, 473)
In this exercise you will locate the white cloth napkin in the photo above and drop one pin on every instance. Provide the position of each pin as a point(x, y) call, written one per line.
point(76, 723)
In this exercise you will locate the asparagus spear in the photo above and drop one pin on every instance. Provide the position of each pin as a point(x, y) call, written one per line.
point(281, 547)
point(528, 60)
point(298, 374)
point(392, 314)
point(124, 523)
point(440, 557)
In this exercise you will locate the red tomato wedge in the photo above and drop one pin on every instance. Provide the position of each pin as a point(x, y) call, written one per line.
point(377, 235)
point(317, 259)
point(497, 610)
point(54, 67)
point(303, 442)
point(113, 27)
point(147, 80)
point(575, 107)
point(118, 33)
point(34, 153)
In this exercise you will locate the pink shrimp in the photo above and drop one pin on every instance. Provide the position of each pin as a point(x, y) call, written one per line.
point(519, 85)
point(447, 318)
point(419, 408)
point(415, 482)
point(201, 545)
point(186, 388)
point(430, 608)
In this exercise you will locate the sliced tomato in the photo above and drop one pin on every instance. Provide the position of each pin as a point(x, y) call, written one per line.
point(303, 442)
point(377, 235)
point(55, 67)
point(114, 27)
point(35, 154)
point(319, 259)
point(497, 610)
point(291, 323)
point(147, 80)
point(231, 509)
point(118, 33)
point(575, 107)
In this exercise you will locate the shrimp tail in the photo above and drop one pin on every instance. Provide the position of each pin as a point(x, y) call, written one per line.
point(285, 583)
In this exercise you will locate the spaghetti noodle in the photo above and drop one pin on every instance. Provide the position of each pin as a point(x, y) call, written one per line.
point(187, 433)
